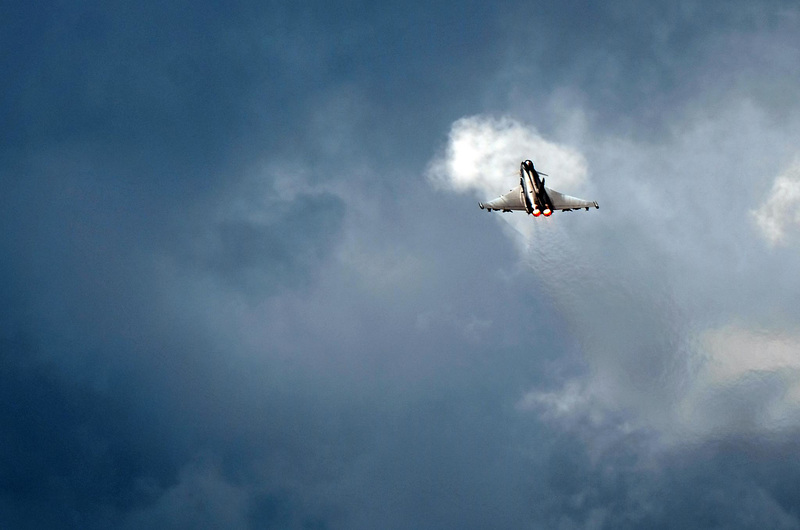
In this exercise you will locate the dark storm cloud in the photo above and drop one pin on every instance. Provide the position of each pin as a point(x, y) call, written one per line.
point(72, 456)
point(275, 254)
point(115, 122)
point(230, 298)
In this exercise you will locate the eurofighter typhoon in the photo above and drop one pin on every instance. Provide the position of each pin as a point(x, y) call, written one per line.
point(534, 197)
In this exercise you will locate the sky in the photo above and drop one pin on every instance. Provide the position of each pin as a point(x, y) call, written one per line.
point(246, 282)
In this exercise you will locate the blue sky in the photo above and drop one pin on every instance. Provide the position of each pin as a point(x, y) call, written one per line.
point(246, 282)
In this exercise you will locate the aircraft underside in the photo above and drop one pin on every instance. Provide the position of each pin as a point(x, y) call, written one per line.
point(533, 197)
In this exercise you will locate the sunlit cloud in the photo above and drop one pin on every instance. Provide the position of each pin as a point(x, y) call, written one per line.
point(483, 155)
point(779, 215)
point(733, 352)
point(748, 380)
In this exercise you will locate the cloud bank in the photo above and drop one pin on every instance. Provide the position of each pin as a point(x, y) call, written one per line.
point(648, 359)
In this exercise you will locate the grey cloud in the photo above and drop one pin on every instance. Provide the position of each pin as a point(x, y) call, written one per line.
point(636, 66)
point(264, 256)
point(719, 484)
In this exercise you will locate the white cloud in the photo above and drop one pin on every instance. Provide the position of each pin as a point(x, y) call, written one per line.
point(571, 400)
point(780, 213)
point(748, 380)
point(483, 155)
point(733, 352)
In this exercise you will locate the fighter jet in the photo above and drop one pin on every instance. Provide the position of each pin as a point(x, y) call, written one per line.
point(534, 197)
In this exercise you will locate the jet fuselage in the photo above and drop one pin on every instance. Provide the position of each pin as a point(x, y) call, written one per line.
point(536, 198)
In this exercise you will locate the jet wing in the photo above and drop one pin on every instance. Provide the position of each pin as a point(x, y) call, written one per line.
point(566, 202)
point(510, 201)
